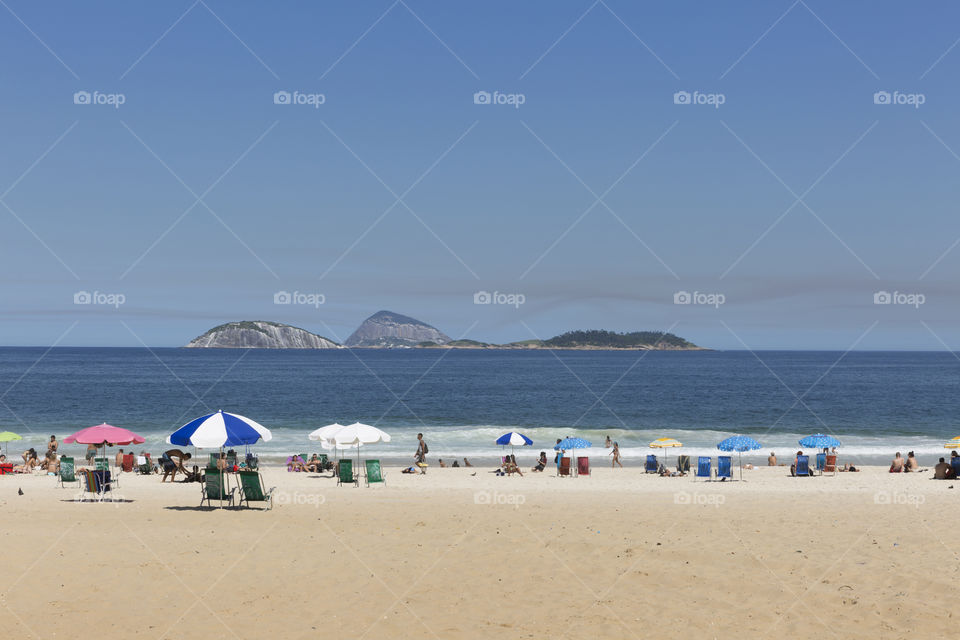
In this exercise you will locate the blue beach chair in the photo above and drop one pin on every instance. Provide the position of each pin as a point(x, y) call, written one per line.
point(703, 468)
point(651, 466)
point(724, 469)
point(955, 463)
point(821, 462)
point(803, 466)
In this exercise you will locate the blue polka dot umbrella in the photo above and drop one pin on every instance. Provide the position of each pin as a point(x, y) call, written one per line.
point(739, 444)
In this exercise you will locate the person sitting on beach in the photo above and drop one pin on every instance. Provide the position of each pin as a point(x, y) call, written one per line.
point(510, 466)
point(541, 462)
point(897, 465)
point(466, 463)
point(50, 463)
point(53, 444)
point(772, 460)
point(942, 471)
point(296, 464)
point(443, 465)
point(29, 453)
point(456, 463)
point(29, 465)
point(796, 461)
point(912, 463)
point(849, 467)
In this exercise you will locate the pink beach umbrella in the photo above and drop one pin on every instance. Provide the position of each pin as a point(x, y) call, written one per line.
point(104, 434)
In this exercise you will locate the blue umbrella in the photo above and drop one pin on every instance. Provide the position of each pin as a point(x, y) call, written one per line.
point(819, 441)
point(739, 444)
point(219, 430)
point(514, 438)
point(572, 443)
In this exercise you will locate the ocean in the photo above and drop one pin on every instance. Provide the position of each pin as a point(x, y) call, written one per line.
point(876, 403)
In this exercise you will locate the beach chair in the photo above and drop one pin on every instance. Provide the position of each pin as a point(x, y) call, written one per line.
point(251, 489)
point(955, 463)
point(830, 465)
point(345, 473)
point(252, 462)
point(231, 459)
point(212, 462)
point(324, 462)
point(564, 468)
point(683, 464)
point(724, 467)
point(651, 466)
point(101, 464)
point(803, 466)
point(97, 483)
point(144, 466)
point(375, 473)
point(704, 470)
point(821, 462)
point(583, 466)
point(67, 472)
point(214, 488)
point(126, 463)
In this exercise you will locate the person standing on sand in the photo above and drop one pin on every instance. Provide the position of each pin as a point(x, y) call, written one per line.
point(421, 455)
point(616, 456)
point(53, 444)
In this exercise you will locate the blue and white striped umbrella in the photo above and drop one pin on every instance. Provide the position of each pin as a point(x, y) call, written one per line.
point(819, 441)
point(219, 430)
point(515, 439)
point(739, 443)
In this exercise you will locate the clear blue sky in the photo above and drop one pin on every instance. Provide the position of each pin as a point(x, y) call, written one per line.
point(199, 198)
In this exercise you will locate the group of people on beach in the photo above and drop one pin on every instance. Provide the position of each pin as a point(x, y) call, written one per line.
point(50, 463)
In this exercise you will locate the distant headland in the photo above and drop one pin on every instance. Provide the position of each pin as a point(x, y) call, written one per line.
point(389, 330)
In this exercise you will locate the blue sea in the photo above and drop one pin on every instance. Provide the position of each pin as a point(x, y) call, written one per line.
point(876, 403)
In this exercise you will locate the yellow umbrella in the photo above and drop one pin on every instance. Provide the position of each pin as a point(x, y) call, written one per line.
point(665, 443)
point(953, 444)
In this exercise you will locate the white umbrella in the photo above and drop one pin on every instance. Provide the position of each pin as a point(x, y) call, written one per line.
point(358, 434)
point(324, 433)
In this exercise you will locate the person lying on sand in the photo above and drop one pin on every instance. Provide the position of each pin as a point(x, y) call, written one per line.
point(897, 465)
point(849, 467)
point(409, 470)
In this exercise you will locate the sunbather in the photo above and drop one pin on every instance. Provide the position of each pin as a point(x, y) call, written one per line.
point(912, 463)
point(50, 464)
point(456, 463)
point(296, 464)
point(443, 465)
point(897, 465)
point(772, 460)
point(541, 462)
point(943, 471)
point(466, 463)
point(796, 461)
point(510, 466)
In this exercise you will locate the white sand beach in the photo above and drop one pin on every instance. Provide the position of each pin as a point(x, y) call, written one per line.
point(450, 554)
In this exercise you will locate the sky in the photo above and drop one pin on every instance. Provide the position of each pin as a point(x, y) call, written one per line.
point(748, 175)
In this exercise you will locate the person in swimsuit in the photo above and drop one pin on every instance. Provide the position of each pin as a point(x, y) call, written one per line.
point(616, 456)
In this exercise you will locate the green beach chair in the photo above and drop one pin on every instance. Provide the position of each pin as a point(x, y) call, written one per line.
point(323, 462)
point(67, 472)
point(212, 463)
point(251, 489)
point(101, 464)
point(345, 475)
point(214, 488)
point(375, 473)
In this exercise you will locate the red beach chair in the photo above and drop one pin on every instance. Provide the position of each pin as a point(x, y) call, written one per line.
point(583, 466)
point(564, 468)
point(126, 464)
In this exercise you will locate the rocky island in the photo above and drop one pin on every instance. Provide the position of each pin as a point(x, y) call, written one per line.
point(260, 334)
point(386, 329)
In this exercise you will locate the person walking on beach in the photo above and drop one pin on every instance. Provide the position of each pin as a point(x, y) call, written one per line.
point(421, 455)
point(616, 456)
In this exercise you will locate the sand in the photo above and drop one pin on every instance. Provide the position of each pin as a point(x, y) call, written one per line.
point(452, 555)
